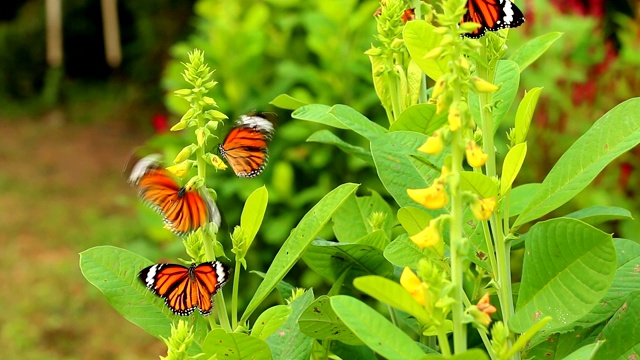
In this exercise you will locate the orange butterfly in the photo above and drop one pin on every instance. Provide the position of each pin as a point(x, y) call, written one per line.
point(492, 15)
point(184, 210)
point(186, 288)
point(245, 147)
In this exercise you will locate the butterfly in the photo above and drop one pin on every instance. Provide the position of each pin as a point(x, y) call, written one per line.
point(492, 15)
point(184, 210)
point(186, 288)
point(245, 146)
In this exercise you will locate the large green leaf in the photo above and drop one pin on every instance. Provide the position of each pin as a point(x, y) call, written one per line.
point(327, 137)
point(235, 346)
point(421, 118)
point(114, 271)
point(398, 171)
point(520, 197)
point(270, 320)
point(533, 49)
point(625, 282)
point(568, 267)
point(558, 346)
point(404, 252)
point(374, 330)
point(288, 342)
point(319, 114)
point(478, 183)
point(332, 259)
point(413, 220)
point(345, 351)
point(420, 37)
point(298, 241)
point(393, 294)
point(616, 132)
point(511, 166)
point(598, 214)
point(508, 78)
point(353, 220)
point(621, 335)
point(286, 101)
point(319, 321)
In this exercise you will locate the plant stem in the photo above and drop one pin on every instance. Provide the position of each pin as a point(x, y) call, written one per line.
point(234, 296)
point(459, 329)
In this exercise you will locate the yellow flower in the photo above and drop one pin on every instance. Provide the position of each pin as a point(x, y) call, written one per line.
point(483, 86)
point(413, 285)
point(216, 161)
point(454, 118)
point(483, 208)
point(429, 236)
point(438, 88)
point(184, 154)
point(181, 170)
point(433, 145)
point(475, 156)
point(433, 197)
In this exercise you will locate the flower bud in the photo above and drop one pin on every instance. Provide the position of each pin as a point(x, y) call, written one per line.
point(483, 208)
point(429, 236)
point(475, 156)
point(482, 86)
point(410, 282)
point(216, 161)
point(433, 197)
point(180, 170)
point(185, 153)
point(454, 118)
point(438, 88)
point(433, 145)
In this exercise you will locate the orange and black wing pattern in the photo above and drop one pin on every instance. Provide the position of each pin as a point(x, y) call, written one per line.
point(186, 288)
point(183, 210)
point(245, 146)
point(492, 15)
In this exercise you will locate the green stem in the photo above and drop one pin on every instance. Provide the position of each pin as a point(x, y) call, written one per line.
point(234, 296)
point(443, 341)
point(459, 329)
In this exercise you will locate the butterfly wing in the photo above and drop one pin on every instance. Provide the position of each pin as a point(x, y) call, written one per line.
point(245, 147)
point(183, 210)
point(185, 289)
point(492, 15)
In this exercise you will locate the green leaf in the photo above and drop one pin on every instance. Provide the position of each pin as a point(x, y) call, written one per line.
point(584, 352)
point(252, 215)
point(235, 346)
point(413, 220)
point(568, 267)
point(478, 183)
point(288, 102)
point(511, 166)
point(319, 114)
point(404, 252)
point(471, 354)
point(520, 197)
point(377, 239)
point(559, 346)
point(616, 132)
point(393, 294)
point(598, 214)
point(327, 137)
point(625, 282)
point(331, 259)
point(270, 320)
point(297, 242)
point(345, 351)
point(353, 220)
point(319, 321)
point(533, 49)
point(114, 272)
point(508, 79)
point(357, 122)
point(420, 118)
point(398, 170)
point(288, 342)
point(374, 330)
point(525, 114)
point(420, 38)
point(621, 335)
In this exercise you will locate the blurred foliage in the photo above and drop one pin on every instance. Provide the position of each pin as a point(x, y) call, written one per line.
point(582, 75)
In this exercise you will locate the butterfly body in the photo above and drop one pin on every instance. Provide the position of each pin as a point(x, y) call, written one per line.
point(184, 210)
point(245, 146)
point(492, 15)
point(186, 288)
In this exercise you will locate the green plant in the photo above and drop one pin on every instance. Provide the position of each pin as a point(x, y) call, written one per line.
point(448, 269)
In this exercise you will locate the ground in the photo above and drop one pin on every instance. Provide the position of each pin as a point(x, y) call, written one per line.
point(62, 191)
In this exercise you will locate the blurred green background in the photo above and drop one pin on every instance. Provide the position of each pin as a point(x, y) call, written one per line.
point(66, 134)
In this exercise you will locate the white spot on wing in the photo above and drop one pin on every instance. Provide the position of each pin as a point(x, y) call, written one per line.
point(256, 122)
point(141, 167)
point(151, 275)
